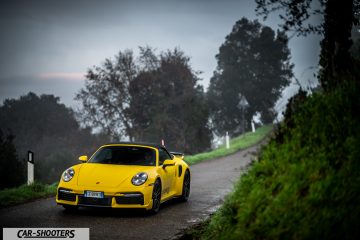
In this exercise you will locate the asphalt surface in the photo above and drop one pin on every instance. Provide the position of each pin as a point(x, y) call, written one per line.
point(211, 181)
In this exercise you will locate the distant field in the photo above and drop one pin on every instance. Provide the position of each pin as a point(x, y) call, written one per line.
point(243, 141)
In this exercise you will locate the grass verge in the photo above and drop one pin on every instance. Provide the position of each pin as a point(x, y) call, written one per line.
point(25, 193)
point(243, 141)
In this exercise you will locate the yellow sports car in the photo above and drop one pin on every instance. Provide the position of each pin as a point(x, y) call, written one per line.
point(125, 175)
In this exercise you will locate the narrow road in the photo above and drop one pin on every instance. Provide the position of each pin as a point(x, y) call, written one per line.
point(211, 181)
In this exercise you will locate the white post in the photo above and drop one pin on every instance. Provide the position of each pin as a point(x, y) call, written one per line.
point(30, 167)
point(252, 126)
point(227, 140)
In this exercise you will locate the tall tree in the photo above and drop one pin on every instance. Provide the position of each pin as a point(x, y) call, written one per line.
point(339, 18)
point(151, 98)
point(167, 103)
point(106, 97)
point(253, 67)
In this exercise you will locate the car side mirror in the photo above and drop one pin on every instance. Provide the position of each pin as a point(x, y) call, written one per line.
point(168, 163)
point(83, 158)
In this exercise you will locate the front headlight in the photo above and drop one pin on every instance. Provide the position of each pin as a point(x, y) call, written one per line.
point(139, 178)
point(68, 174)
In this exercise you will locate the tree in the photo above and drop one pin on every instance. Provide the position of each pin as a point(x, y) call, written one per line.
point(106, 96)
point(254, 65)
point(49, 129)
point(339, 18)
point(297, 16)
point(32, 117)
point(12, 170)
point(167, 103)
point(152, 98)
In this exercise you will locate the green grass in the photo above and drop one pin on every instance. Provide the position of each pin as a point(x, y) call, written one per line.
point(306, 184)
point(25, 193)
point(244, 141)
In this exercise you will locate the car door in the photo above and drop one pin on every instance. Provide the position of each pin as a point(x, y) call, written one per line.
point(168, 172)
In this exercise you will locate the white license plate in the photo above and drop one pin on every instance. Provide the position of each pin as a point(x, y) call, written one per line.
point(94, 194)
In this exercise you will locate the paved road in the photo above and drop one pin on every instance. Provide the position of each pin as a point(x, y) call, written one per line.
point(211, 181)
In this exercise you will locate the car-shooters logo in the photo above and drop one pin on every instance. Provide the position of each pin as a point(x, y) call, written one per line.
point(45, 233)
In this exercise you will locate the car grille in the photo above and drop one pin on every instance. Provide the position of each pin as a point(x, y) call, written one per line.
point(64, 194)
point(130, 198)
point(101, 202)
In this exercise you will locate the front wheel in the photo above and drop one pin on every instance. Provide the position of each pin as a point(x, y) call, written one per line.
point(186, 187)
point(156, 197)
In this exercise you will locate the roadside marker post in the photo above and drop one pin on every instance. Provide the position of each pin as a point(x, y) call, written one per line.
point(227, 140)
point(30, 167)
point(252, 126)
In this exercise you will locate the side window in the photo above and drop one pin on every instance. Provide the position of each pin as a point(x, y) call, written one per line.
point(163, 155)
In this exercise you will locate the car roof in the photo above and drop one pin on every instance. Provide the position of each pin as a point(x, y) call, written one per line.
point(154, 145)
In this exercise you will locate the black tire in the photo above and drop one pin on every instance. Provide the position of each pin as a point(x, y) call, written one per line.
point(70, 207)
point(156, 197)
point(186, 187)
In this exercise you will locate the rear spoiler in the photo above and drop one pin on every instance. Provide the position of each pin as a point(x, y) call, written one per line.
point(178, 154)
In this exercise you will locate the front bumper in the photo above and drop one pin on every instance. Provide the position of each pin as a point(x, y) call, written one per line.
point(141, 197)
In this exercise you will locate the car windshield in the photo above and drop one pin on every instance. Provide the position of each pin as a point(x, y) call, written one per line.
point(125, 155)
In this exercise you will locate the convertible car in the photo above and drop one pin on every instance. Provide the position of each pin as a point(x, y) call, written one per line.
point(125, 175)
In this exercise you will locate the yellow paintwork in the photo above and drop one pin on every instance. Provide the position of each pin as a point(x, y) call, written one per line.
point(114, 180)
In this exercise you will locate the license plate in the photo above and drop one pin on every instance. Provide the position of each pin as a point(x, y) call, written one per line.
point(92, 194)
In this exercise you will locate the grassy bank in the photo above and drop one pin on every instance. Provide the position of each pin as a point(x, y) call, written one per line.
point(236, 144)
point(306, 184)
point(25, 193)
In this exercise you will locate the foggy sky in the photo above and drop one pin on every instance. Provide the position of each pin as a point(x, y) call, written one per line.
point(47, 46)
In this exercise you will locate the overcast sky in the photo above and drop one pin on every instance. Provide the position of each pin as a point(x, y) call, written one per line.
point(47, 46)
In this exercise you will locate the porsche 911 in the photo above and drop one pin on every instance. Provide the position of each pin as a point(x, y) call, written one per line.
point(125, 175)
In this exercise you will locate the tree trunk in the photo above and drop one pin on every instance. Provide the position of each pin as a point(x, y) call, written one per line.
point(335, 58)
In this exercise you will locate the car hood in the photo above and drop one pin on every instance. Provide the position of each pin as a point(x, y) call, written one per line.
point(107, 175)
